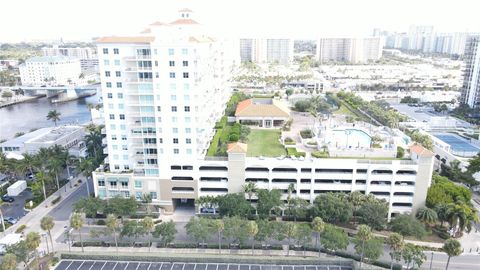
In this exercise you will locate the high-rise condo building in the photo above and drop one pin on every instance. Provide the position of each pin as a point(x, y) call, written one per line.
point(267, 50)
point(471, 76)
point(355, 50)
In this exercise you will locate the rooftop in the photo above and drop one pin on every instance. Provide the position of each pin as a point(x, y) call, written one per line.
point(421, 151)
point(43, 135)
point(262, 107)
point(58, 58)
point(114, 39)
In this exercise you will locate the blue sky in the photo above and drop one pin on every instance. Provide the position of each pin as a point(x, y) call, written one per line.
point(83, 19)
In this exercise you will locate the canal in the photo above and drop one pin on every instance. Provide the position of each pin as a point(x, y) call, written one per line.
point(33, 114)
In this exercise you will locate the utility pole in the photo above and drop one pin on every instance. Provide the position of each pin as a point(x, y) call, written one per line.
point(431, 261)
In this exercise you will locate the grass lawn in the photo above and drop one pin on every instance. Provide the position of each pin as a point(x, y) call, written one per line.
point(343, 110)
point(263, 142)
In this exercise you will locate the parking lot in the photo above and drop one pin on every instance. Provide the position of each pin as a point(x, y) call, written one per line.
point(16, 209)
point(124, 265)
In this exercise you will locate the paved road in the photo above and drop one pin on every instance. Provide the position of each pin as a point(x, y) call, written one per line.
point(62, 211)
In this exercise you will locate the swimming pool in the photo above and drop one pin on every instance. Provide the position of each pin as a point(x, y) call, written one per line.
point(351, 138)
point(458, 145)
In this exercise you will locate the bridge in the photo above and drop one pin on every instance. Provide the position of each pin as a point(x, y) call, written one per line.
point(51, 91)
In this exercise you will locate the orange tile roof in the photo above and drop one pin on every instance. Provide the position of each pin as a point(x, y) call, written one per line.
point(421, 151)
point(237, 147)
point(243, 105)
point(185, 10)
point(146, 31)
point(184, 21)
point(125, 40)
point(158, 23)
point(248, 108)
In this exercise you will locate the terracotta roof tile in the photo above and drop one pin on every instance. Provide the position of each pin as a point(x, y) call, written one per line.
point(185, 10)
point(248, 108)
point(125, 39)
point(421, 151)
point(184, 21)
point(237, 148)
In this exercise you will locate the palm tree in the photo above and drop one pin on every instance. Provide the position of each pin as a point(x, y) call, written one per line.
point(148, 226)
point(9, 262)
point(364, 234)
point(29, 161)
point(43, 178)
point(427, 215)
point(290, 190)
point(86, 167)
point(250, 188)
point(442, 212)
point(47, 224)
point(453, 248)
point(94, 141)
point(55, 164)
point(252, 229)
point(219, 227)
point(460, 216)
point(395, 242)
point(32, 242)
point(318, 226)
point(113, 224)
point(356, 198)
point(76, 222)
point(54, 116)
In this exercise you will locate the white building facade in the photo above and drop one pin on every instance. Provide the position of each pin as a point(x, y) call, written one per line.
point(354, 50)
point(471, 76)
point(267, 50)
point(50, 70)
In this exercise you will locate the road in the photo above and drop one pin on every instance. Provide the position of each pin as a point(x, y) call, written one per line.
point(63, 210)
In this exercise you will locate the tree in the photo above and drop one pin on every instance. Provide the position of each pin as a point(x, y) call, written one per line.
point(371, 249)
point(219, 227)
point(90, 206)
point(121, 206)
point(265, 230)
point(474, 164)
point(20, 250)
point(250, 188)
point(298, 208)
point(442, 212)
point(427, 215)
point(198, 229)
point(460, 217)
point(331, 208)
point(42, 179)
point(166, 231)
point(413, 254)
point(131, 229)
point(290, 231)
point(364, 234)
point(148, 226)
point(302, 105)
point(334, 238)
point(303, 235)
point(113, 225)
point(318, 226)
point(32, 242)
point(9, 262)
point(373, 214)
point(236, 229)
point(86, 167)
point(47, 224)
point(252, 229)
point(54, 116)
point(406, 225)
point(233, 204)
point(76, 222)
point(395, 243)
point(268, 200)
point(56, 165)
point(453, 248)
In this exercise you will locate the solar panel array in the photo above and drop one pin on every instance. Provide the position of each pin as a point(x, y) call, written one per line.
point(124, 265)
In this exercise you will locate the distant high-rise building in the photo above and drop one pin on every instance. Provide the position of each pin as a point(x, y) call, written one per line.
point(53, 70)
point(355, 50)
point(266, 50)
point(421, 38)
point(471, 77)
point(88, 60)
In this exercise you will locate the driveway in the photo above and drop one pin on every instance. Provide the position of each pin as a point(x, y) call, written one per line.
point(16, 208)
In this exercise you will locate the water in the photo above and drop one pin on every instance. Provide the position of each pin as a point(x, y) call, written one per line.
point(351, 138)
point(33, 114)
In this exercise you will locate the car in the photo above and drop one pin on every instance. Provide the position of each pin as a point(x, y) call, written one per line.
point(10, 220)
point(7, 198)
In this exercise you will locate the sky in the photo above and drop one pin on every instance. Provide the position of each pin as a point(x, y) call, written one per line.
point(26, 20)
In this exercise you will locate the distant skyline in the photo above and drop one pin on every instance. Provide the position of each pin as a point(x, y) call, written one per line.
point(27, 20)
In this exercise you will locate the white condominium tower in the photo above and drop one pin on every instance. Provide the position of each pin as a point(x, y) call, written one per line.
point(267, 50)
point(163, 91)
point(354, 50)
point(471, 76)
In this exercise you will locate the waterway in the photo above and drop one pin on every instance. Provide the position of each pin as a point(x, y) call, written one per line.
point(33, 114)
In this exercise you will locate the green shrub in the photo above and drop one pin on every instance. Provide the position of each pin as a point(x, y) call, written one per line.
point(101, 222)
point(294, 152)
point(306, 134)
point(312, 143)
point(56, 200)
point(233, 137)
point(320, 154)
point(400, 152)
point(21, 228)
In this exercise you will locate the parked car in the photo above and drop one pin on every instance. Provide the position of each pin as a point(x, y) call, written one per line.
point(10, 220)
point(7, 198)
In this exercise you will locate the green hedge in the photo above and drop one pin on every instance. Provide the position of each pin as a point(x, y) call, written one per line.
point(294, 152)
point(320, 154)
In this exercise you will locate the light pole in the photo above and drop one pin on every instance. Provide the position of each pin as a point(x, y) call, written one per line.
point(46, 242)
point(431, 261)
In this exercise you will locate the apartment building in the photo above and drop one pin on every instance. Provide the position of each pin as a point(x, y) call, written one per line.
point(88, 59)
point(51, 70)
point(471, 76)
point(355, 50)
point(267, 50)
point(163, 91)
point(402, 183)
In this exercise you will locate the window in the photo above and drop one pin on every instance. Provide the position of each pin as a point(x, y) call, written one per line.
point(119, 85)
point(123, 127)
point(160, 140)
point(186, 86)
point(117, 167)
point(109, 85)
point(174, 108)
point(107, 73)
point(124, 137)
point(176, 151)
point(172, 75)
point(159, 109)
point(124, 147)
point(120, 95)
point(109, 95)
point(122, 116)
point(174, 119)
point(116, 51)
point(184, 51)
point(105, 50)
point(125, 157)
point(112, 117)
point(185, 63)
point(175, 140)
point(117, 62)
point(171, 51)
point(101, 183)
point(153, 195)
point(175, 130)
point(188, 141)
point(138, 195)
point(188, 130)
point(187, 108)
point(171, 63)
point(156, 63)
point(138, 184)
point(187, 119)
point(115, 147)
point(186, 97)
point(173, 97)
point(189, 151)
point(110, 106)
point(106, 62)
point(185, 75)
point(112, 127)
point(120, 106)
point(118, 74)
point(173, 86)
point(114, 137)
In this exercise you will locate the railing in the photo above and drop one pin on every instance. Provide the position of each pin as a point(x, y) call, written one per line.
point(208, 158)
